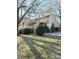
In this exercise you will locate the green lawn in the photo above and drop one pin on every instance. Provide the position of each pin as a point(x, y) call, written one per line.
point(30, 48)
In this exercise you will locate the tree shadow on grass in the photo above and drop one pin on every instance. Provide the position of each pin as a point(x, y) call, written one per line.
point(46, 41)
point(48, 48)
point(31, 42)
point(33, 49)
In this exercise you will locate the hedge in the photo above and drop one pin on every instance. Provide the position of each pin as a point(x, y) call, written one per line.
point(26, 31)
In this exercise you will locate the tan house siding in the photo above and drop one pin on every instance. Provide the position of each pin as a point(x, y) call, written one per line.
point(30, 23)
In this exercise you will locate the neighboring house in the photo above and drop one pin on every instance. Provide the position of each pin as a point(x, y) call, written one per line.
point(31, 23)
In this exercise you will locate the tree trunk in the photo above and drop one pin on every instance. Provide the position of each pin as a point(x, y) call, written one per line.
point(17, 31)
point(17, 21)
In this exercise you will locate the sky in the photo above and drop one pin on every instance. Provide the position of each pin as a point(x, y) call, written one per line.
point(43, 7)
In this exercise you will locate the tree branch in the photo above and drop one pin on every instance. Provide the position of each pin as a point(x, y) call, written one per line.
point(27, 11)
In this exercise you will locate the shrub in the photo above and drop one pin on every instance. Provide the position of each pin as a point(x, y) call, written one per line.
point(40, 30)
point(56, 29)
point(20, 31)
point(47, 30)
point(26, 31)
point(52, 28)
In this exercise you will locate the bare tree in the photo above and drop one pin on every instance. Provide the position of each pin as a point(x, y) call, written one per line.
point(19, 19)
point(57, 10)
point(28, 8)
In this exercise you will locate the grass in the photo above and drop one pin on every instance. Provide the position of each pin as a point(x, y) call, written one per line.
point(30, 48)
